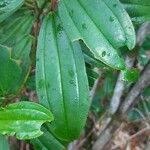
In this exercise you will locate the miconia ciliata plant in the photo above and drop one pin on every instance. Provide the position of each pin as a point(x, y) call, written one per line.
point(60, 43)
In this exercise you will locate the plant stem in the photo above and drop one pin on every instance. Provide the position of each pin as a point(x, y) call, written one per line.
point(54, 4)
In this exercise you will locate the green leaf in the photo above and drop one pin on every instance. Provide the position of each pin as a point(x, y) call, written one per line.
point(61, 79)
point(146, 92)
point(103, 25)
point(15, 34)
point(21, 51)
point(23, 119)
point(142, 108)
point(3, 143)
point(92, 75)
point(8, 7)
point(41, 3)
point(12, 29)
point(104, 92)
point(89, 57)
point(47, 142)
point(30, 84)
point(130, 75)
point(10, 70)
point(134, 115)
point(138, 10)
point(146, 43)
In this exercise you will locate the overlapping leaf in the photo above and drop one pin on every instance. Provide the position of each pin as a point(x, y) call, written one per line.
point(61, 79)
point(14, 32)
point(47, 142)
point(92, 75)
point(23, 119)
point(139, 10)
point(21, 51)
point(14, 27)
point(8, 7)
point(89, 57)
point(103, 25)
point(10, 70)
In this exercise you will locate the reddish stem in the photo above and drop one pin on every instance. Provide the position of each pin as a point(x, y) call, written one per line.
point(54, 4)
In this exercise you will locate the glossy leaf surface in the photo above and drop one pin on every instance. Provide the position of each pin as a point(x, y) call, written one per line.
point(139, 10)
point(61, 79)
point(8, 7)
point(103, 25)
point(23, 119)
